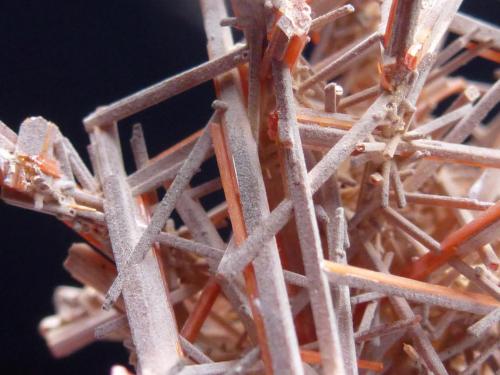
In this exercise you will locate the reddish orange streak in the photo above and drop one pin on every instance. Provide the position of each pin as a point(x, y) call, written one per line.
point(428, 263)
point(312, 357)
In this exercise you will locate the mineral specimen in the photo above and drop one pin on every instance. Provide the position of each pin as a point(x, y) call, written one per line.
point(360, 183)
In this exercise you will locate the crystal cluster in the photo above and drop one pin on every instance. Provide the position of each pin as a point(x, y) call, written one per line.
point(359, 226)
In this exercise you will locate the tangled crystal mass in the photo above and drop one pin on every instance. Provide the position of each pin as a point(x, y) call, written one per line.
point(359, 226)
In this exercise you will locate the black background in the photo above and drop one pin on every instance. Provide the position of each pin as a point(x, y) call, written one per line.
point(60, 59)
